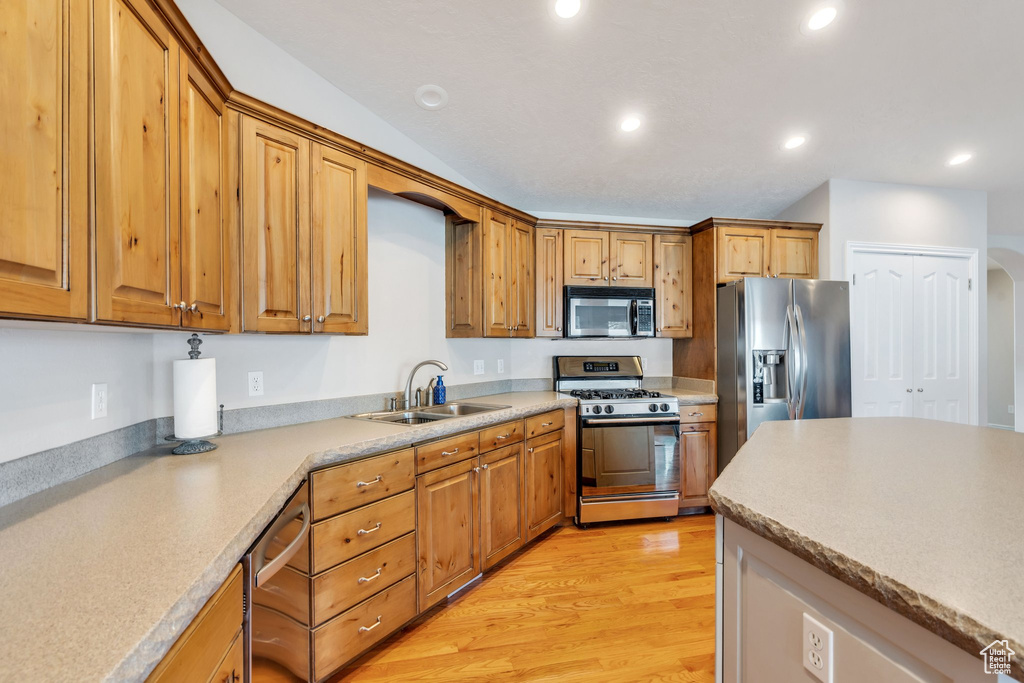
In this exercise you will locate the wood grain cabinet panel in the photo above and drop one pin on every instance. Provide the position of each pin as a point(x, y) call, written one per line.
point(345, 487)
point(341, 538)
point(543, 489)
point(551, 421)
point(631, 262)
point(44, 219)
point(502, 524)
point(699, 466)
point(233, 664)
point(136, 165)
point(339, 242)
point(794, 253)
point(497, 296)
point(463, 280)
point(501, 435)
point(742, 252)
point(447, 451)
point(673, 285)
point(548, 273)
point(275, 229)
point(586, 254)
point(521, 286)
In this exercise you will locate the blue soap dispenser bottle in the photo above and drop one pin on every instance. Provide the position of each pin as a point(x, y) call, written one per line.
point(440, 391)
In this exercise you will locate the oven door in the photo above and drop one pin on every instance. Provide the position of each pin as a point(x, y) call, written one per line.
point(600, 317)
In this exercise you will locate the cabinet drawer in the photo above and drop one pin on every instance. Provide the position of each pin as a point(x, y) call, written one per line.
point(197, 654)
point(347, 487)
point(702, 413)
point(353, 632)
point(447, 451)
point(501, 435)
point(340, 588)
point(544, 423)
point(343, 537)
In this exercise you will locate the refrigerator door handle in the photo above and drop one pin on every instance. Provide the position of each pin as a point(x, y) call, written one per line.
point(790, 344)
point(804, 363)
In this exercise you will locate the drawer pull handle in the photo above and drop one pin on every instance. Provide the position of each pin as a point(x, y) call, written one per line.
point(546, 424)
point(502, 436)
point(368, 579)
point(364, 629)
point(696, 414)
point(450, 452)
point(363, 532)
point(360, 484)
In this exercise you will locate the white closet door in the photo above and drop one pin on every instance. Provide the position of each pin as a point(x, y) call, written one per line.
point(881, 331)
point(941, 362)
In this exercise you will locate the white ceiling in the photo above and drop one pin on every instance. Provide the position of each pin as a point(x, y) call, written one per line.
point(888, 92)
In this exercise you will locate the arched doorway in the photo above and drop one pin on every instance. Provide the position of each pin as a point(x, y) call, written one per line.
point(1005, 350)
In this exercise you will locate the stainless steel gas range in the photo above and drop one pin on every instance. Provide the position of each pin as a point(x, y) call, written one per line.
point(628, 440)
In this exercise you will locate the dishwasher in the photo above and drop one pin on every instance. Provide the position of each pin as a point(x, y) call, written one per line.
point(277, 597)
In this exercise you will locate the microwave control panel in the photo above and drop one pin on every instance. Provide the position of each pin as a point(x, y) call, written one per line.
point(645, 317)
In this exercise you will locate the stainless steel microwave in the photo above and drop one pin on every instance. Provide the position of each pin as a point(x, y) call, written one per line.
point(609, 312)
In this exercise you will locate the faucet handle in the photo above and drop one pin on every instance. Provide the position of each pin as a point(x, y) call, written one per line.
point(393, 403)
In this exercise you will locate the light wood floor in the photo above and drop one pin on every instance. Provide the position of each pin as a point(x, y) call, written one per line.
point(623, 602)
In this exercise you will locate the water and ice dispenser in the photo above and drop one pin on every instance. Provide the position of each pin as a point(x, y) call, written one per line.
point(769, 380)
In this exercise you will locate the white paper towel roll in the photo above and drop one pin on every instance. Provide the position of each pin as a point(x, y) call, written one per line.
point(195, 398)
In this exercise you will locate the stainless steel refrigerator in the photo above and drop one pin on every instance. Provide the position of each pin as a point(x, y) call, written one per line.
point(783, 354)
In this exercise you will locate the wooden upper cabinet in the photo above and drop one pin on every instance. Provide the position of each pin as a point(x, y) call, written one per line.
point(794, 253)
point(136, 165)
point(548, 273)
point(275, 229)
point(673, 285)
point(44, 219)
point(496, 249)
point(209, 244)
point(742, 252)
point(586, 257)
point(521, 286)
point(463, 282)
point(339, 242)
point(631, 264)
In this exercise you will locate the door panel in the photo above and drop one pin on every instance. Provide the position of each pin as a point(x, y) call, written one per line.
point(521, 286)
point(543, 476)
point(882, 334)
point(207, 264)
point(137, 165)
point(673, 285)
point(632, 259)
point(497, 314)
point(463, 278)
point(698, 447)
point(742, 252)
point(43, 181)
point(502, 524)
point(586, 257)
point(940, 339)
point(794, 253)
point(823, 309)
point(275, 229)
point(550, 298)
point(339, 242)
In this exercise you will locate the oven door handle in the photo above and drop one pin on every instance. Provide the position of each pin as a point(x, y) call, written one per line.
point(639, 421)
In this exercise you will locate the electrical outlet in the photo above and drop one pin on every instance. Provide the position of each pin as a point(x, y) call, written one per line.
point(99, 400)
point(816, 650)
point(501, 369)
point(256, 383)
point(478, 367)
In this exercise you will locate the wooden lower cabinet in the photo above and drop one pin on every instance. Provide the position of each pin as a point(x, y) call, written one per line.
point(543, 490)
point(341, 538)
point(501, 487)
point(698, 454)
point(232, 666)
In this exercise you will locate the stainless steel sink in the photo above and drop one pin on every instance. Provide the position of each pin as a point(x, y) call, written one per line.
point(416, 416)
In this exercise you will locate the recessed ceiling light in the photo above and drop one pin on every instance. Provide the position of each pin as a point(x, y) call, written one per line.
point(431, 97)
point(794, 142)
point(567, 9)
point(959, 159)
point(630, 123)
point(822, 18)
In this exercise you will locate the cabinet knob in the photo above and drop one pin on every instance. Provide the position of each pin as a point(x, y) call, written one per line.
point(194, 308)
point(306, 318)
point(483, 467)
point(558, 329)
point(606, 278)
point(180, 306)
point(613, 279)
point(320, 319)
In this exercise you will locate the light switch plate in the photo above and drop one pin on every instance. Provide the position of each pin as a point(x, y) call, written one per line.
point(501, 366)
point(99, 400)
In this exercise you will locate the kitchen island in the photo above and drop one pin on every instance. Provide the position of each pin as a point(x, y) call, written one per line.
point(904, 537)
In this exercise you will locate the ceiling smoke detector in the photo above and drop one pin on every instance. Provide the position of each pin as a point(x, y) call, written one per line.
point(431, 97)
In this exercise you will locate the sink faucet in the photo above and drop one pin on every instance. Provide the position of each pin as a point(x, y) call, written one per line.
point(407, 403)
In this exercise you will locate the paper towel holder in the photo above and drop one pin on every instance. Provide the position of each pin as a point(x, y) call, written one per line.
point(198, 444)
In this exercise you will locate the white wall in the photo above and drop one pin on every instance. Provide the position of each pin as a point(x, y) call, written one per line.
point(532, 358)
point(1000, 347)
point(1008, 252)
point(814, 208)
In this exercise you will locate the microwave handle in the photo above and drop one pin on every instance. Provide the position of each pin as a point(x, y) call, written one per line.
point(634, 317)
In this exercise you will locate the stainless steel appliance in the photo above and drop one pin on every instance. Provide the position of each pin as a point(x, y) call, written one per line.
point(628, 440)
point(783, 354)
point(609, 312)
point(278, 641)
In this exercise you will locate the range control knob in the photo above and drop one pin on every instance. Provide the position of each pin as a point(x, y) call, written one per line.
point(653, 407)
point(664, 407)
point(597, 410)
point(609, 409)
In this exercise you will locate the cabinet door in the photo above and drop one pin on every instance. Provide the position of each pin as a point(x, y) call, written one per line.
point(138, 278)
point(44, 219)
point(208, 241)
point(497, 314)
point(275, 229)
point(339, 242)
point(549, 282)
point(742, 252)
point(631, 259)
point(586, 257)
point(502, 525)
point(463, 282)
point(520, 268)
point(543, 476)
point(673, 285)
point(794, 253)
point(698, 450)
point(448, 526)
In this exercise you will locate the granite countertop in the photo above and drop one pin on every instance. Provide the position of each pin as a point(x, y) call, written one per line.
point(688, 397)
point(925, 517)
point(103, 573)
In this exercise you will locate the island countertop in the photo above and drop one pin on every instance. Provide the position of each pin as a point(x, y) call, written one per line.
point(103, 573)
point(925, 517)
